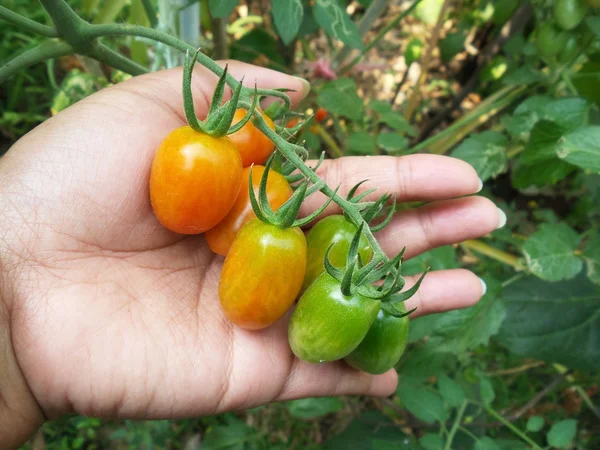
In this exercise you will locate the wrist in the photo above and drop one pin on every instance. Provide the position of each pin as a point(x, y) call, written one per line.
point(20, 414)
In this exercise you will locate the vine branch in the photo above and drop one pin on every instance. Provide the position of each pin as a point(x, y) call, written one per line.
point(27, 24)
point(46, 50)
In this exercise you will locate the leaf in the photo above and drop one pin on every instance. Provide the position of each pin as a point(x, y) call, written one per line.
point(554, 322)
point(423, 362)
point(586, 80)
point(340, 98)
point(486, 390)
point(486, 443)
point(570, 112)
point(381, 107)
point(398, 122)
point(523, 75)
point(311, 408)
point(222, 9)
point(431, 441)
point(452, 45)
point(591, 255)
point(549, 252)
point(336, 22)
point(486, 152)
point(413, 51)
point(423, 402)
point(535, 424)
point(362, 143)
point(451, 391)
point(287, 15)
point(541, 174)
point(438, 259)
point(392, 142)
point(562, 433)
point(428, 11)
point(543, 142)
point(230, 436)
point(582, 148)
point(593, 23)
point(255, 43)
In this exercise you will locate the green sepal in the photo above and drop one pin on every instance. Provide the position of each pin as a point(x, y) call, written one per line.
point(219, 123)
point(217, 99)
point(336, 273)
point(376, 208)
point(392, 311)
point(351, 192)
point(253, 201)
point(289, 210)
point(351, 261)
point(188, 100)
point(248, 117)
point(403, 296)
point(385, 222)
point(308, 219)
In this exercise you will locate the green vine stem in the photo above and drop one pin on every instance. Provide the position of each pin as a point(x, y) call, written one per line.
point(46, 50)
point(26, 24)
point(511, 427)
point(455, 425)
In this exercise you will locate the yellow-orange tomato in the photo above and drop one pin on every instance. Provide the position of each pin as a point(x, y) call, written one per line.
point(262, 274)
point(221, 237)
point(195, 180)
point(254, 147)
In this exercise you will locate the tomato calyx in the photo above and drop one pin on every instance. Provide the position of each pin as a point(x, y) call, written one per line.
point(372, 210)
point(220, 117)
point(286, 215)
point(389, 304)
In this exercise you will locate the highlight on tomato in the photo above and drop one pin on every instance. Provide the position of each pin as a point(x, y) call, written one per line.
point(569, 13)
point(253, 145)
point(220, 238)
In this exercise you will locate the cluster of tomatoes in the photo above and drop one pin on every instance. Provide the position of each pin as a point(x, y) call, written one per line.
point(204, 184)
point(562, 36)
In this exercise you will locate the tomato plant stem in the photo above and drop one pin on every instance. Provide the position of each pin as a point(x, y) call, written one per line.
point(46, 50)
point(494, 253)
point(27, 24)
point(455, 425)
point(511, 427)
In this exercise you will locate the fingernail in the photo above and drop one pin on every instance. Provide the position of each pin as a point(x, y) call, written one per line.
point(480, 186)
point(501, 218)
point(305, 86)
point(483, 287)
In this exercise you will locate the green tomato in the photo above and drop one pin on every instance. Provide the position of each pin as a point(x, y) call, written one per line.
point(326, 324)
point(383, 345)
point(569, 13)
point(570, 51)
point(333, 230)
point(550, 40)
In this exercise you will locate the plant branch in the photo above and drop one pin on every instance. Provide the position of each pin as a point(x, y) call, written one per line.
point(46, 50)
point(69, 25)
point(455, 426)
point(494, 253)
point(511, 427)
point(109, 57)
point(536, 398)
point(27, 24)
point(219, 32)
point(150, 13)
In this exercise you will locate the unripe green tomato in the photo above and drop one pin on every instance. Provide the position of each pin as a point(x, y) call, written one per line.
point(594, 3)
point(383, 345)
point(326, 324)
point(569, 13)
point(333, 230)
point(550, 40)
point(570, 51)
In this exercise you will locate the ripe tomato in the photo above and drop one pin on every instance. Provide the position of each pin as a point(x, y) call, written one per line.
point(194, 181)
point(254, 147)
point(221, 237)
point(262, 274)
point(550, 40)
point(320, 114)
point(383, 345)
point(333, 230)
point(292, 122)
point(569, 13)
point(327, 325)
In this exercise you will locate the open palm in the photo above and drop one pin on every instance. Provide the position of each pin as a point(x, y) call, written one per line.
point(113, 315)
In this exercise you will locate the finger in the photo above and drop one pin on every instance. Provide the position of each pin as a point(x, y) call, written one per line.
point(410, 178)
point(440, 223)
point(337, 378)
point(445, 290)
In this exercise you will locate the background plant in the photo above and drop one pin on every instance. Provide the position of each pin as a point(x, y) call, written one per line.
point(519, 370)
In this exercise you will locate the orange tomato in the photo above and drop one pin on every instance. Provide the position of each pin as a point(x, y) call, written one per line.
point(320, 114)
point(221, 237)
point(292, 122)
point(254, 147)
point(194, 181)
point(262, 274)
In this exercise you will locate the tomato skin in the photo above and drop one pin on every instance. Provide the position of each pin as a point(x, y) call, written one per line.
point(262, 274)
point(326, 325)
point(333, 230)
point(383, 345)
point(292, 122)
point(569, 13)
point(194, 181)
point(254, 147)
point(221, 237)
point(550, 40)
point(321, 114)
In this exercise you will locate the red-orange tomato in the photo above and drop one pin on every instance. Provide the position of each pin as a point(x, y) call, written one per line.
point(320, 114)
point(292, 122)
point(221, 237)
point(262, 274)
point(254, 147)
point(195, 180)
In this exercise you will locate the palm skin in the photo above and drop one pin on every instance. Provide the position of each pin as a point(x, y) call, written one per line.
point(112, 315)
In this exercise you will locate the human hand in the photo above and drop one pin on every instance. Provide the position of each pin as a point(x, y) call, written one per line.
point(112, 315)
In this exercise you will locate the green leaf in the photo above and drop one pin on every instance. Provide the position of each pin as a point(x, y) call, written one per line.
point(431, 441)
point(230, 436)
point(381, 107)
point(543, 142)
point(540, 174)
point(587, 79)
point(549, 252)
point(562, 433)
point(413, 51)
point(438, 259)
point(398, 122)
point(311, 408)
point(340, 98)
point(523, 75)
point(255, 43)
point(554, 322)
point(336, 22)
point(392, 142)
point(570, 112)
point(428, 11)
point(361, 143)
point(486, 443)
point(222, 9)
point(423, 362)
point(451, 391)
point(582, 148)
point(452, 45)
point(535, 424)
point(287, 15)
point(486, 390)
point(591, 255)
point(486, 152)
point(593, 23)
point(423, 402)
